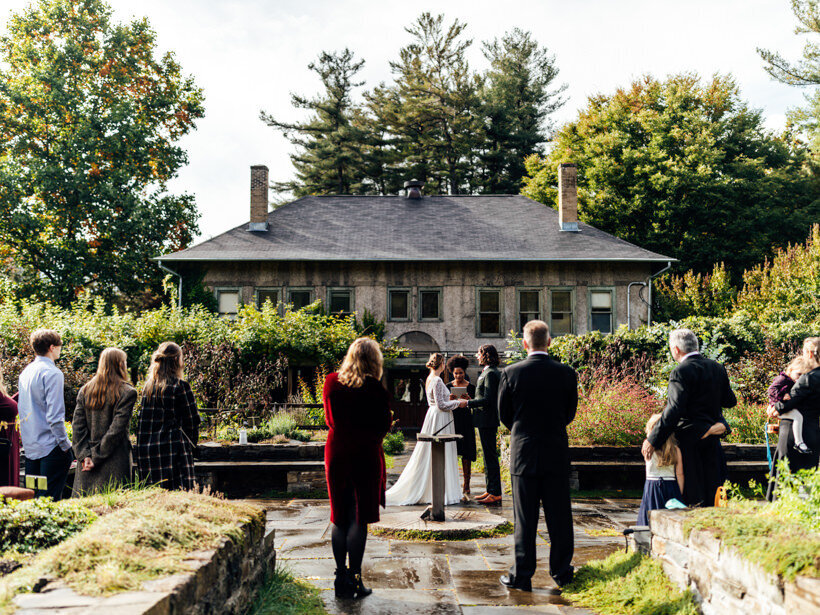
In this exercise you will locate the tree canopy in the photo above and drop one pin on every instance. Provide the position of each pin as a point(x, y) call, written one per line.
point(439, 120)
point(89, 119)
point(685, 168)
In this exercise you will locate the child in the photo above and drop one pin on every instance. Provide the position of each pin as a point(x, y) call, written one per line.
point(664, 475)
point(779, 391)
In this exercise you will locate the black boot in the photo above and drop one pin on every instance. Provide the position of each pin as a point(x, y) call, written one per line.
point(358, 586)
point(344, 584)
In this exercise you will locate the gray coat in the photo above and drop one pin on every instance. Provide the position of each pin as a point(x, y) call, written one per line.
point(103, 435)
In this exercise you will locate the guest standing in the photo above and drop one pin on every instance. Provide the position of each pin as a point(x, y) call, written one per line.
point(805, 395)
point(168, 425)
point(41, 405)
point(357, 413)
point(10, 464)
point(463, 419)
point(485, 417)
point(664, 475)
point(100, 426)
point(698, 390)
point(537, 399)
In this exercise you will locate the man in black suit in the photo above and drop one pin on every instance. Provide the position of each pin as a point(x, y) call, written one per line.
point(485, 418)
point(698, 389)
point(537, 399)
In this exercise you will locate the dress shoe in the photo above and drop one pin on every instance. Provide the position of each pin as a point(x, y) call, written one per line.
point(512, 583)
point(482, 496)
point(564, 579)
point(492, 500)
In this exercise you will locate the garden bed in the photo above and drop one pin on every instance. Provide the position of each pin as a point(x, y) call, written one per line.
point(177, 546)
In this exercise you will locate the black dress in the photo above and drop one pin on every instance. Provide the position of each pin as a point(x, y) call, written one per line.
point(805, 396)
point(463, 424)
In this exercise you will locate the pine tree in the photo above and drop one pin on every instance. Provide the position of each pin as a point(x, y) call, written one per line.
point(519, 95)
point(329, 144)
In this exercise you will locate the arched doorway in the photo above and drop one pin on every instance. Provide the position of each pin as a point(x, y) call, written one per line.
point(406, 381)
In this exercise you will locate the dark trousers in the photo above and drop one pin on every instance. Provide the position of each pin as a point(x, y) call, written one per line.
point(530, 493)
point(704, 470)
point(54, 467)
point(492, 470)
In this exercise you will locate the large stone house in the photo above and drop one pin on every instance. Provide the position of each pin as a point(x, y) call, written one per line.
point(445, 273)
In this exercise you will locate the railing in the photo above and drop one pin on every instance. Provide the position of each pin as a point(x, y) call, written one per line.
point(214, 415)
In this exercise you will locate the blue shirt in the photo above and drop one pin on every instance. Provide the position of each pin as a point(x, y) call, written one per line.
point(41, 407)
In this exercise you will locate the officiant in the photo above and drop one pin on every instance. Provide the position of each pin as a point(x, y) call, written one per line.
point(460, 388)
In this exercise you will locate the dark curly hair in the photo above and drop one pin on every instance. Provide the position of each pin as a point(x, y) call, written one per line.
point(488, 355)
point(458, 361)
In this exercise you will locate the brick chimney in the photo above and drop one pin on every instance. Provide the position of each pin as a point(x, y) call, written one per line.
point(259, 198)
point(568, 197)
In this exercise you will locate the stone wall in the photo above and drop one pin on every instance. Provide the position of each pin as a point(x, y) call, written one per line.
point(458, 281)
point(224, 581)
point(724, 583)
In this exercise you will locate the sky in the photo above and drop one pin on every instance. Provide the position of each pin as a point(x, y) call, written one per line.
point(249, 55)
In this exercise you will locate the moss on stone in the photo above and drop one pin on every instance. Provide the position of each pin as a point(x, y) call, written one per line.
point(504, 529)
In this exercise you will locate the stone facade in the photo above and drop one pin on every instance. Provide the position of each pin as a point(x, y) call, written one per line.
point(459, 282)
point(724, 583)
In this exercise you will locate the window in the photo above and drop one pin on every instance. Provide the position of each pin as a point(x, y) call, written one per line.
point(600, 310)
point(561, 320)
point(300, 297)
point(429, 304)
point(489, 313)
point(227, 301)
point(529, 307)
point(267, 294)
point(340, 301)
point(398, 304)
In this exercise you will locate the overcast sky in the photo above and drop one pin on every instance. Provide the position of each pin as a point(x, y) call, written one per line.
point(249, 55)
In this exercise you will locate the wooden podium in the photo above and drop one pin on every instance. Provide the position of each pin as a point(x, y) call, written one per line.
point(437, 442)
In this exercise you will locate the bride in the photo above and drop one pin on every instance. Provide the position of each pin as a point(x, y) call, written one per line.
point(415, 483)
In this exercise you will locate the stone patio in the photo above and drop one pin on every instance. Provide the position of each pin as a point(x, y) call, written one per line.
point(439, 578)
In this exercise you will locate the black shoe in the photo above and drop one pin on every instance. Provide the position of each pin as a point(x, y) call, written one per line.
point(564, 579)
point(507, 580)
point(358, 586)
point(344, 584)
point(802, 448)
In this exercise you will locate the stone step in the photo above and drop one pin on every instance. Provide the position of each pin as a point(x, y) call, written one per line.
point(213, 451)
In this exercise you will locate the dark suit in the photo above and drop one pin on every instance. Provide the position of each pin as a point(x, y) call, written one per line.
point(485, 418)
point(698, 389)
point(537, 399)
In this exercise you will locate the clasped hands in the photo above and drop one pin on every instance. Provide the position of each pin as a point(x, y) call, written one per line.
point(87, 464)
point(718, 429)
point(463, 400)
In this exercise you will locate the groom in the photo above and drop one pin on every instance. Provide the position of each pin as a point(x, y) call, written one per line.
point(537, 399)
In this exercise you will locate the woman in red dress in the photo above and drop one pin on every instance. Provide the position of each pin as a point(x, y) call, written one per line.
point(357, 413)
point(9, 436)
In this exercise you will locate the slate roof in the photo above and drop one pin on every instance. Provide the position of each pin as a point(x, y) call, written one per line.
point(433, 228)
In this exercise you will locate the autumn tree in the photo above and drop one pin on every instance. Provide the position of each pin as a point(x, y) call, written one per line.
point(90, 117)
point(685, 168)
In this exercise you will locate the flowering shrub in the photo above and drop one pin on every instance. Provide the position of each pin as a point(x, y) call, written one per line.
point(613, 412)
point(747, 421)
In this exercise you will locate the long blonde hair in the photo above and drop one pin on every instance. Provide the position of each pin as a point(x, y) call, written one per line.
point(166, 365)
point(105, 386)
point(812, 344)
point(668, 453)
point(3, 383)
point(363, 358)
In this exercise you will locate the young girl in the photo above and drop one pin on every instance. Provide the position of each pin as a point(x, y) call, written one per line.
point(780, 390)
point(664, 475)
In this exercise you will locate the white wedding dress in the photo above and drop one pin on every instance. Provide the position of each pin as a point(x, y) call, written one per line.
point(415, 485)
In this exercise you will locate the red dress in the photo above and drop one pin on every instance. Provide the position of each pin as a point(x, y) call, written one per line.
point(10, 468)
point(358, 419)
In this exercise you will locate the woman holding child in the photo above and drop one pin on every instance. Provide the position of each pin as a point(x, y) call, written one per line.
point(804, 398)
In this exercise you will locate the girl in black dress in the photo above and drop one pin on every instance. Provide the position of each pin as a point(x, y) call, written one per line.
point(463, 419)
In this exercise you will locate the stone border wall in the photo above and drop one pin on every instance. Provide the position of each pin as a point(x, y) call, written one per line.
point(724, 583)
point(225, 580)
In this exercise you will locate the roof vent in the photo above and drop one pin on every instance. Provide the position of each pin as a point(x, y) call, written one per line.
point(413, 188)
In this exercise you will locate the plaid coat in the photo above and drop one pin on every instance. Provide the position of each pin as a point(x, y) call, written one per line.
point(166, 435)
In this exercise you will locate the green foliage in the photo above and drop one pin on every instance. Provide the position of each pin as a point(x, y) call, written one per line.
point(628, 584)
point(281, 423)
point(684, 168)
point(505, 529)
point(393, 443)
point(90, 114)
point(748, 423)
point(284, 594)
point(695, 294)
point(34, 525)
point(798, 495)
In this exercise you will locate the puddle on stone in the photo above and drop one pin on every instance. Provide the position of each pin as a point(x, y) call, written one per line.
point(407, 572)
point(398, 547)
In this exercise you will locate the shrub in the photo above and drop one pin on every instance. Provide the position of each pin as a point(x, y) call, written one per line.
point(755, 370)
point(34, 525)
point(748, 421)
point(695, 294)
point(613, 413)
point(279, 424)
point(394, 443)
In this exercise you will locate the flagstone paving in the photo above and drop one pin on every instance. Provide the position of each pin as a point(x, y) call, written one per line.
point(440, 578)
